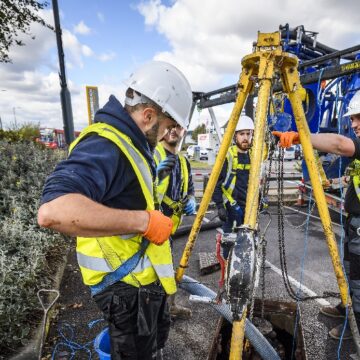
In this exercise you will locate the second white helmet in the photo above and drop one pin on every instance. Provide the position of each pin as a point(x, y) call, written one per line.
point(245, 123)
point(166, 86)
point(354, 105)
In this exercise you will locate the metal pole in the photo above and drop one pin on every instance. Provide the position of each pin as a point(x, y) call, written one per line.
point(216, 124)
point(15, 123)
point(64, 93)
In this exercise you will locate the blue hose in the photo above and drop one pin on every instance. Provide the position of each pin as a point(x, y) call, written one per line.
point(258, 341)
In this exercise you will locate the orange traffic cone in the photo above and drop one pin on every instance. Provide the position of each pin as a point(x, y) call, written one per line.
point(300, 200)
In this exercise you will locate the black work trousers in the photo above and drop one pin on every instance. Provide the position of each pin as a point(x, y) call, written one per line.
point(139, 320)
point(352, 258)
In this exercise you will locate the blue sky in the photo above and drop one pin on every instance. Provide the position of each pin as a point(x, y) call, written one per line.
point(116, 27)
point(104, 41)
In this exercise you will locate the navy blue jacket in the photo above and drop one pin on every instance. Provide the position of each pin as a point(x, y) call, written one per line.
point(173, 190)
point(97, 168)
point(241, 184)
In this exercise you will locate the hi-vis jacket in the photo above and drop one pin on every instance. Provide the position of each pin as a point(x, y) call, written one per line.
point(176, 206)
point(228, 184)
point(99, 256)
point(354, 172)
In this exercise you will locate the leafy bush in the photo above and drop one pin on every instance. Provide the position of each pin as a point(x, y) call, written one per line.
point(26, 132)
point(24, 246)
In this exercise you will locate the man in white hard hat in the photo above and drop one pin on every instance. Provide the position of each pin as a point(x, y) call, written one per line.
point(104, 195)
point(231, 188)
point(175, 192)
point(344, 146)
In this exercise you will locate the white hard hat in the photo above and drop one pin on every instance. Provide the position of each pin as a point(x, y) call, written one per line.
point(245, 123)
point(354, 105)
point(166, 86)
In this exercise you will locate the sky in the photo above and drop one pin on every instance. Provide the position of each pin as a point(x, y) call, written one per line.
point(106, 40)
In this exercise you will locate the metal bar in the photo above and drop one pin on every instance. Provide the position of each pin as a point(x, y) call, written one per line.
point(216, 124)
point(334, 55)
point(292, 87)
point(305, 79)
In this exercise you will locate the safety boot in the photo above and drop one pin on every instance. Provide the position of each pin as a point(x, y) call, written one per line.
point(337, 311)
point(180, 312)
point(337, 332)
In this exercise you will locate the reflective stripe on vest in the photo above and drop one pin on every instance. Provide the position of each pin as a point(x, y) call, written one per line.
point(228, 185)
point(176, 206)
point(354, 172)
point(98, 256)
point(160, 155)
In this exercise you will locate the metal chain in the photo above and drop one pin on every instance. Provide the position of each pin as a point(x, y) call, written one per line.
point(260, 265)
point(280, 207)
point(262, 278)
point(293, 226)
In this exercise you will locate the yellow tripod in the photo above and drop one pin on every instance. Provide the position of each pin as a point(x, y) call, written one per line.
point(268, 60)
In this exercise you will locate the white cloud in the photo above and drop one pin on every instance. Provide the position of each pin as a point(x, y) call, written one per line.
point(100, 16)
point(208, 42)
point(107, 56)
point(82, 28)
point(32, 81)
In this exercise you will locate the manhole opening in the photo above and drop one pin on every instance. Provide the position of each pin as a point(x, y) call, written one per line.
point(278, 328)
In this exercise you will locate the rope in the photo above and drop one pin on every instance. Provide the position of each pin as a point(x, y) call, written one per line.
point(66, 333)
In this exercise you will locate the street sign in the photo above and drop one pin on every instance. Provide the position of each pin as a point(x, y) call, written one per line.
point(92, 98)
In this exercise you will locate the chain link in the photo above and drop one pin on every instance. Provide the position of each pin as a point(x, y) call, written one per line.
point(293, 226)
point(282, 251)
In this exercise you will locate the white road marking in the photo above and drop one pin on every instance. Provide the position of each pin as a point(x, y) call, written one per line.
point(304, 289)
point(312, 216)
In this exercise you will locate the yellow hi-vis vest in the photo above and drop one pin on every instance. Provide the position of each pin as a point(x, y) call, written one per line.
point(228, 185)
point(176, 206)
point(98, 256)
point(354, 172)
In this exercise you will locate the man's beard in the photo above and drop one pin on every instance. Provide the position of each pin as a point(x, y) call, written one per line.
point(152, 135)
point(172, 143)
point(243, 146)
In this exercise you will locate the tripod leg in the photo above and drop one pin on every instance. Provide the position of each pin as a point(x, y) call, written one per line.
point(245, 85)
point(266, 67)
point(292, 86)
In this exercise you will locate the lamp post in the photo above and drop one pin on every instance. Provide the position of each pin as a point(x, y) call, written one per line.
point(14, 112)
point(1, 125)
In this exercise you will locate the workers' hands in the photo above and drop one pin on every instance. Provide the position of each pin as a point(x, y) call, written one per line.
point(287, 138)
point(222, 214)
point(164, 168)
point(159, 227)
point(190, 206)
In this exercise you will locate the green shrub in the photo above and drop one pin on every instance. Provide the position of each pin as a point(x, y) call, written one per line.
point(24, 246)
point(26, 132)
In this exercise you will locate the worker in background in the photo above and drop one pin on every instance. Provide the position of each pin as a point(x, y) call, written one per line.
point(231, 188)
point(104, 194)
point(343, 146)
point(175, 191)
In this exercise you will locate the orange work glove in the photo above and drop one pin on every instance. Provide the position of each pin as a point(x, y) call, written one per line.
point(159, 227)
point(287, 138)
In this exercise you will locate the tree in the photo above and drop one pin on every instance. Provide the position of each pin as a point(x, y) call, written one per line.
point(16, 17)
point(201, 129)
